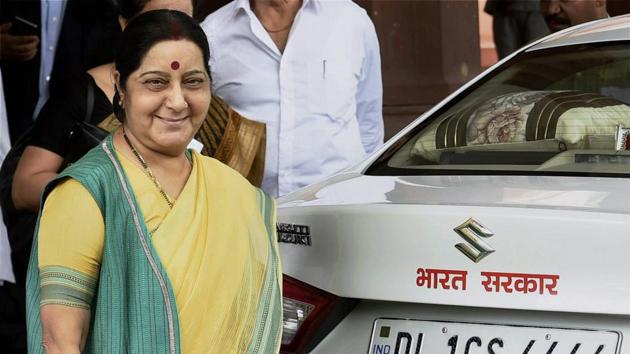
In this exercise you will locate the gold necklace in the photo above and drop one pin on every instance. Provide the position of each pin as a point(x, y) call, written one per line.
point(147, 170)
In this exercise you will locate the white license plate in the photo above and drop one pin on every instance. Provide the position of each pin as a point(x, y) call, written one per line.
point(393, 336)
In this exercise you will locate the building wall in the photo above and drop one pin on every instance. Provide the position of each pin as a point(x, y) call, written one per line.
point(429, 48)
point(618, 7)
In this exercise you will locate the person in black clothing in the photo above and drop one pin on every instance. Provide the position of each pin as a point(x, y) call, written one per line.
point(86, 25)
point(19, 60)
point(515, 23)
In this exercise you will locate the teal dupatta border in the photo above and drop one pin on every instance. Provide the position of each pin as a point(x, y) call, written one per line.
point(65, 286)
point(268, 330)
point(150, 251)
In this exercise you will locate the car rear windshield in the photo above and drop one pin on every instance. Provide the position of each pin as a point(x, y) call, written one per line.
point(561, 111)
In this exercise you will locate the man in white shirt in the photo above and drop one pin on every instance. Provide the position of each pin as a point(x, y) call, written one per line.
point(6, 269)
point(310, 70)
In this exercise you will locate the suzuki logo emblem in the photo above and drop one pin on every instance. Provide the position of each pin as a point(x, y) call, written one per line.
point(475, 248)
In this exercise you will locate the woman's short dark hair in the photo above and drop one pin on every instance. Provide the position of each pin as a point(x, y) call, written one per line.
point(145, 31)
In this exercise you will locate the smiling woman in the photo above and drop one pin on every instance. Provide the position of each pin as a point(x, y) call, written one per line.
point(171, 104)
point(173, 239)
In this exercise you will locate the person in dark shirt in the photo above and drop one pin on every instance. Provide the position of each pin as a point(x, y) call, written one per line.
point(515, 23)
point(19, 60)
point(45, 154)
point(85, 26)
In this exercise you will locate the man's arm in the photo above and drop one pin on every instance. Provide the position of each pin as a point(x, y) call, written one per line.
point(370, 91)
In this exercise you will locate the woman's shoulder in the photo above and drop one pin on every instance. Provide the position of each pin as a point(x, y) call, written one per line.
point(74, 93)
point(94, 164)
point(90, 172)
point(63, 109)
point(74, 87)
point(66, 104)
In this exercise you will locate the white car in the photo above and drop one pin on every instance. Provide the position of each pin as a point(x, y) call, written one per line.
point(496, 223)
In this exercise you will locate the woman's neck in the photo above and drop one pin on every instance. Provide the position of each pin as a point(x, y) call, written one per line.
point(160, 159)
point(171, 170)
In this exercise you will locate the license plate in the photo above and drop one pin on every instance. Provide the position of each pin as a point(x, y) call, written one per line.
point(393, 336)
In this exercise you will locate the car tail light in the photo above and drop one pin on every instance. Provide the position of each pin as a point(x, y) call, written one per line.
point(308, 315)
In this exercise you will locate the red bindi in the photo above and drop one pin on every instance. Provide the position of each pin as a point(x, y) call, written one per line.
point(175, 65)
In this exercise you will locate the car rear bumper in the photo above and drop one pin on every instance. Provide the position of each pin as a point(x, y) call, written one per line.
point(352, 335)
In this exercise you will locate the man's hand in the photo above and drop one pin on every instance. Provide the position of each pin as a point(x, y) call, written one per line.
point(16, 48)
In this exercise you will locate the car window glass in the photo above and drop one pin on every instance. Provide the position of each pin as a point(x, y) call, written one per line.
point(560, 111)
